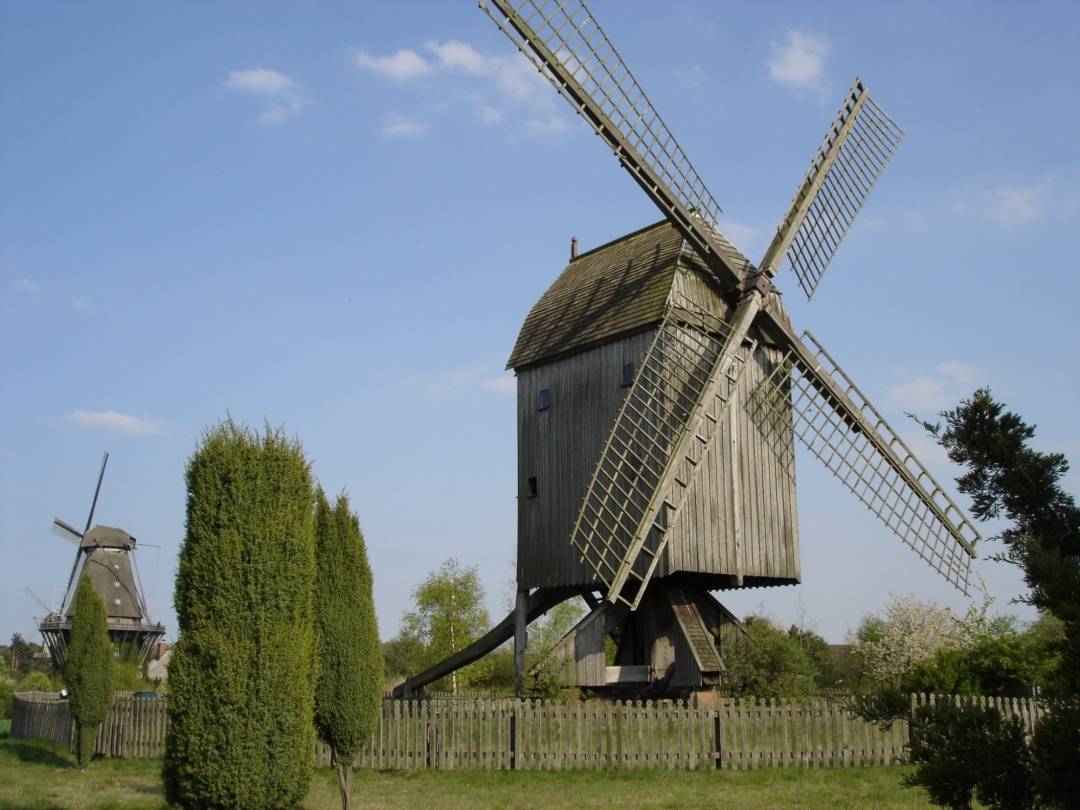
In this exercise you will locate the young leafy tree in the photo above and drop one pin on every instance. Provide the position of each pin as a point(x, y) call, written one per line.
point(89, 669)
point(242, 674)
point(449, 615)
point(350, 684)
point(24, 658)
point(544, 673)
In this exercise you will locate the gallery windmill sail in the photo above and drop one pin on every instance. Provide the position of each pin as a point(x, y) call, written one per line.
point(661, 387)
point(105, 557)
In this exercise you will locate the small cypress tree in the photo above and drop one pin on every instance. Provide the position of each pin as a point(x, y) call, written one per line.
point(89, 669)
point(242, 674)
point(351, 666)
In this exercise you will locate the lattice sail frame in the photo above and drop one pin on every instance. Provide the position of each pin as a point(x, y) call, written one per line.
point(610, 99)
point(646, 466)
point(928, 521)
point(866, 139)
point(564, 41)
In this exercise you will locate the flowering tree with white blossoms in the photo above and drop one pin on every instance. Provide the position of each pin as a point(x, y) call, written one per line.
point(911, 630)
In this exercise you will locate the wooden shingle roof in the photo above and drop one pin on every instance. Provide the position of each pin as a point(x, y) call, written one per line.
point(615, 289)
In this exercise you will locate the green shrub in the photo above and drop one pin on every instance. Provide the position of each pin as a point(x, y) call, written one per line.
point(242, 673)
point(1005, 664)
point(964, 751)
point(350, 684)
point(1056, 754)
point(89, 668)
point(127, 677)
point(766, 662)
point(37, 682)
point(7, 690)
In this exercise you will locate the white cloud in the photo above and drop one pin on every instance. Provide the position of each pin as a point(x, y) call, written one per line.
point(461, 56)
point(690, 77)
point(400, 126)
point(500, 82)
point(921, 393)
point(551, 125)
point(1012, 206)
point(514, 77)
point(260, 81)
point(504, 385)
point(113, 420)
point(932, 391)
point(958, 372)
point(82, 303)
point(800, 60)
point(741, 236)
point(455, 382)
point(26, 285)
point(403, 65)
point(491, 115)
point(281, 95)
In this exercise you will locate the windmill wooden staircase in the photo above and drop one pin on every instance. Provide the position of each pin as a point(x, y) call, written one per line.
point(694, 631)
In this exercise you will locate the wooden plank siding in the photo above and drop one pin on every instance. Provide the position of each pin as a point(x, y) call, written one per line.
point(511, 734)
point(740, 515)
point(560, 447)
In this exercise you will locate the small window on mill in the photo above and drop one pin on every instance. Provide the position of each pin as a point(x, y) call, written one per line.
point(627, 375)
point(544, 400)
point(532, 486)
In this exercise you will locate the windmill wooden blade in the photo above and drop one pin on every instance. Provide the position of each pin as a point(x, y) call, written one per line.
point(845, 168)
point(568, 46)
point(665, 424)
point(66, 531)
point(848, 435)
point(97, 491)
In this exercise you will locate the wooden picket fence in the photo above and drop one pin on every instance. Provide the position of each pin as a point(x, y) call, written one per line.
point(511, 734)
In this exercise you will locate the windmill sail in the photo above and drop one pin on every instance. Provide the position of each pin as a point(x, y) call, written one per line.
point(844, 170)
point(66, 531)
point(569, 47)
point(848, 435)
point(666, 422)
point(621, 526)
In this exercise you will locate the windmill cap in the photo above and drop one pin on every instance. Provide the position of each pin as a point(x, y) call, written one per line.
point(107, 537)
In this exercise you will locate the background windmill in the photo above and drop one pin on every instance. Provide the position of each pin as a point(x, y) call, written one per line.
point(106, 557)
point(661, 386)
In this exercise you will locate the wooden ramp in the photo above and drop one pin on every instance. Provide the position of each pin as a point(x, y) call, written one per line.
point(695, 631)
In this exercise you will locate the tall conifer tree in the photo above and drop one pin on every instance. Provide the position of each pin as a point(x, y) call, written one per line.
point(351, 666)
point(89, 669)
point(242, 674)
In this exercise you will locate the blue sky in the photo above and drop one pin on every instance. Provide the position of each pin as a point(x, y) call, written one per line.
point(335, 217)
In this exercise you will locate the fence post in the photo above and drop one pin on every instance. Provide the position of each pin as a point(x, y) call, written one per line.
point(718, 739)
point(514, 735)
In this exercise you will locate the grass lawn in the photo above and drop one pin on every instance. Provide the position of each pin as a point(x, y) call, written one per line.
point(36, 775)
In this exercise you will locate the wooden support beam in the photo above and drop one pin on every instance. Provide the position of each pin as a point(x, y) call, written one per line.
point(539, 602)
point(521, 639)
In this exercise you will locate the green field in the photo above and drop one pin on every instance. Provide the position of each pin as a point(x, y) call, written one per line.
point(36, 775)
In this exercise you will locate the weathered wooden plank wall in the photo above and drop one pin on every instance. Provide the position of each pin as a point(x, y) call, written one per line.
point(510, 734)
point(740, 515)
point(559, 446)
